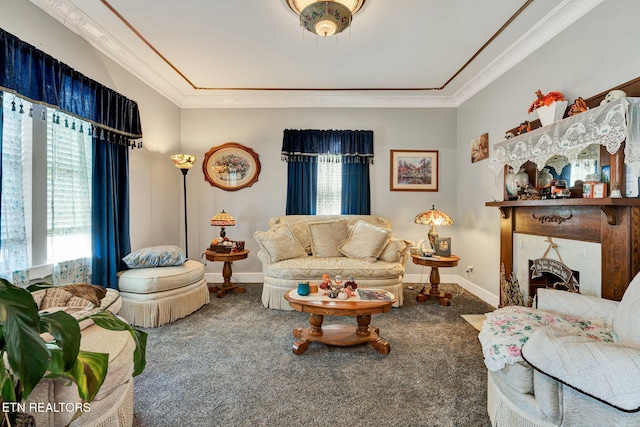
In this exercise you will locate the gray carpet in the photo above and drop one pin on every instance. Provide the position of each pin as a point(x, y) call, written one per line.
point(231, 364)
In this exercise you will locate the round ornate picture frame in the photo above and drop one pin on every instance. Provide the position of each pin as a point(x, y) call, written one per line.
point(231, 166)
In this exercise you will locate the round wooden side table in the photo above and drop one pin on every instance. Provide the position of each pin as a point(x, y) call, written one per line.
point(434, 277)
point(226, 271)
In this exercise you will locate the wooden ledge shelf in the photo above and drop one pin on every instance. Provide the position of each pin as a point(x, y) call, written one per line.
point(607, 205)
point(571, 201)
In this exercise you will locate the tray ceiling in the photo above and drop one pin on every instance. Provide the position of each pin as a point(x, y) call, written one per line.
point(253, 53)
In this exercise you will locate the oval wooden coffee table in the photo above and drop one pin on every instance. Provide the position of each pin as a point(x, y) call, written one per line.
point(339, 335)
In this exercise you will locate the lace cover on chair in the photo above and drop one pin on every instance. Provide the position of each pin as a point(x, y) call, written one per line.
point(608, 125)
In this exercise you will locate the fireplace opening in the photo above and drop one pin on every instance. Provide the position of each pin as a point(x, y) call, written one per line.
point(550, 273)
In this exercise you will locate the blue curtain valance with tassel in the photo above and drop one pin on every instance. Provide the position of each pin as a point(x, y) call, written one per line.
point(35, 75)
point(354, 146)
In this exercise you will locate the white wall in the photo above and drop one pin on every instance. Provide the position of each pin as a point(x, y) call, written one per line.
point(262, 130)
point(156, 185)
point(596, 53)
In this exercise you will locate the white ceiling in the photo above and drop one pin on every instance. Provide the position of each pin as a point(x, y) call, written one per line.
point(252, 53)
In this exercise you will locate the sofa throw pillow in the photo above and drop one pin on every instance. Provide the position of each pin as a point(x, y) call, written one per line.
point(279, 243)
point(327, 236)
point(395, 250)
point(302, 234)
point(626, 322)
point(366, 241)
point(155, 256)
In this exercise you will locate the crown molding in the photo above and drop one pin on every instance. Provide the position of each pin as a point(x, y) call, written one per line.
point(561, 17)
point(565, 14)
point(65, 12)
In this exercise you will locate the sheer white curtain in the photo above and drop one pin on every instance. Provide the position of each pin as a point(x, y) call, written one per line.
point(16, 185)
point(329, 184)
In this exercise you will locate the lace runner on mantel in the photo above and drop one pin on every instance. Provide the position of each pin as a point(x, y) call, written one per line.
point(609, 125)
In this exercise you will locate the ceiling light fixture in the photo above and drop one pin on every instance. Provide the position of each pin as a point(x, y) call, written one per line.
point(325, 18)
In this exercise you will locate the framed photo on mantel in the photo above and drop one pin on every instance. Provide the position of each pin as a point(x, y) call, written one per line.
point(414, 170)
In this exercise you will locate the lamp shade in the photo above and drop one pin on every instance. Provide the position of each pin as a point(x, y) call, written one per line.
point(183, 161)
point(223, 219)
point(433, 217)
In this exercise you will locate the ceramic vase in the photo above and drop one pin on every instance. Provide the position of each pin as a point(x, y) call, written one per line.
point(552, 112)
point(515, 183)
point(544, 178)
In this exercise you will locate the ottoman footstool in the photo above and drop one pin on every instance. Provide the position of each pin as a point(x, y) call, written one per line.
point(156, 296)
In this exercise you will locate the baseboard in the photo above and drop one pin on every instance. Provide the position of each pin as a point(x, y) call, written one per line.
point(467, 285)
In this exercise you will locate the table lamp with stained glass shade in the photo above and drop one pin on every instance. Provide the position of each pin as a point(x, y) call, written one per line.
point(222, 220)
point(433, 217)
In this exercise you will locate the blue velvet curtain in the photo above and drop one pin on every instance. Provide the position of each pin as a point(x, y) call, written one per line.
point(302, 188)
point(110, 222)
point(356, 193)
point(301, 148)
point(43, 79)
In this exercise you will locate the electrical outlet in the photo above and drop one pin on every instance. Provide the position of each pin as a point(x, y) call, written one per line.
point(469, 269)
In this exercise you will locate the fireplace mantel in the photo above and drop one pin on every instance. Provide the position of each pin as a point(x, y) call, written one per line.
point(614, 223)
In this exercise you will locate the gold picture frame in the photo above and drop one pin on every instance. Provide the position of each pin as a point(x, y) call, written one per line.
point(414, 170)
point(231, 166)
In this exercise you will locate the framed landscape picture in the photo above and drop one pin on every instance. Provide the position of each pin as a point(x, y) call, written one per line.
point(414, 170)
point(231, 166)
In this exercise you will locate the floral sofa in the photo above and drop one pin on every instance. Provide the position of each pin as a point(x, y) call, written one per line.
point(299, 248)
point(574, 360)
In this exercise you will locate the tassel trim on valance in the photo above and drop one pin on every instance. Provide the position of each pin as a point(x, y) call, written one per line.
point(338, 158)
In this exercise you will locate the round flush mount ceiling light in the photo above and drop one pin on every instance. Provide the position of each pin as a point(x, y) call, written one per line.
point(325, 18)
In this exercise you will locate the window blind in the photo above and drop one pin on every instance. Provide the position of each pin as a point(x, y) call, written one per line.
point(68, 187)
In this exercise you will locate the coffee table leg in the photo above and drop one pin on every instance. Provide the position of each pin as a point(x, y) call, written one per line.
point(381, 346)
point(300, 347)
point(363, 325)
point(315, 320)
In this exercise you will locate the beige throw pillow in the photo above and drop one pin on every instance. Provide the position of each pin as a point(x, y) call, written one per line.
point(279, 243)
point(326, 236)
point(366, 241)
point(302, 235)
point(395, 250)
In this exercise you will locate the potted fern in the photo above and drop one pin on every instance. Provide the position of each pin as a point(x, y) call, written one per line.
point(30, 358)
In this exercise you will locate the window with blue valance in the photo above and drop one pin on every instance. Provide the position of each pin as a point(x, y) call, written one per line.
point(40, 78)
point(115, 121)
point(305, 150)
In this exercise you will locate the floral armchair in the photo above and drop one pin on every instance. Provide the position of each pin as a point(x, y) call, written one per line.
point(571, 360)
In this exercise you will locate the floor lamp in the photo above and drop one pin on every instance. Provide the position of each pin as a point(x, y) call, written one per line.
point(184, 162)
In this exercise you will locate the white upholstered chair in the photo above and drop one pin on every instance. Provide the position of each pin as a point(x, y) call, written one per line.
point(573, 360)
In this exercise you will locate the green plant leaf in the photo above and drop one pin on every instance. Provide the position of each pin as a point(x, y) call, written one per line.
point(66, 331)
point(107, 320)
point(26, 351)
point(88, 372)
point(7, 387)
